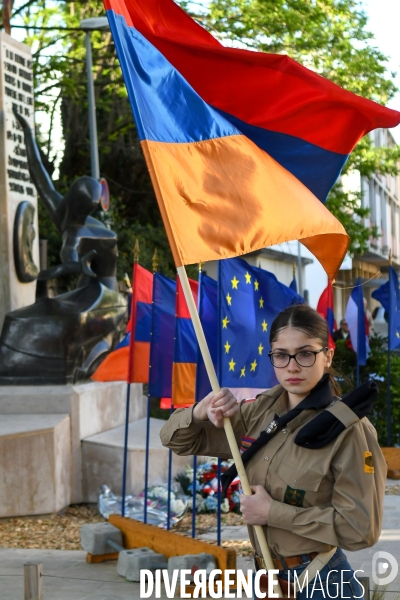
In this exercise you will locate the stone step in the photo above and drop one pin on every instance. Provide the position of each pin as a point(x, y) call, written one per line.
point(35, 464)
point(93, 407)
point(102, 459)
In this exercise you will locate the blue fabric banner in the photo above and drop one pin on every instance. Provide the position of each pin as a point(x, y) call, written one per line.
point(162, 338)
point(208, 312)
point(355, 317)
point(389, 296)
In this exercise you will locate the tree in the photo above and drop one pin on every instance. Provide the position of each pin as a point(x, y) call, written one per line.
point(344, 363)
point(332, 38)
point(329, 36)
point(61, 89)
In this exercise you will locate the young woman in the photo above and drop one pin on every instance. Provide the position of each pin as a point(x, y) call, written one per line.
point(317, 472)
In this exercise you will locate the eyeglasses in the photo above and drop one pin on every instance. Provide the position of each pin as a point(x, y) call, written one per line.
point(305, 358)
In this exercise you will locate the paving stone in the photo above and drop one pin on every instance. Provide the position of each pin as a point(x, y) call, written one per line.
point(95, 536)
point(74, 579)
point(193, 562)
point(130, 562)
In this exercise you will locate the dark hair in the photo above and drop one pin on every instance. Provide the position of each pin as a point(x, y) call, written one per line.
point(306, 319)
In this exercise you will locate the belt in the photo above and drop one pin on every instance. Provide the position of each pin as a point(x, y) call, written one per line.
point(287, 562)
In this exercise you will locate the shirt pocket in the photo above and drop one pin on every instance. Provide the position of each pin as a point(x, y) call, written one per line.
point(300, 486)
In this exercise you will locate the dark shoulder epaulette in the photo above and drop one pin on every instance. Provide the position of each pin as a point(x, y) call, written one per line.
point(330, 423)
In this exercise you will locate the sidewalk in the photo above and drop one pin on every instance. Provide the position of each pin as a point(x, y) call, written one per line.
point(68, 577)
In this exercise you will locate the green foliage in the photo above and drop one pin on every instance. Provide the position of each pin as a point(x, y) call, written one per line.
point(332, 38)
point(346, 206)
point(377, 369)
point(329, 36)
point(368, 160)
point(156, 412)
point(150, 237)
point(61, 86)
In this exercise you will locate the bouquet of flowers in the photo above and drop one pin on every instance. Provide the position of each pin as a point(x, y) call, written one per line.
point(157, 504)
point(207, 487)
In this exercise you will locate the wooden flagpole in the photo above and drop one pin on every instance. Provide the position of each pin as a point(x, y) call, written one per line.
point(227, 424)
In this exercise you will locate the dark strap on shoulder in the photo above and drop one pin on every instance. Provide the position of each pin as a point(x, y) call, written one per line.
point(326, 427)
point(319, 397)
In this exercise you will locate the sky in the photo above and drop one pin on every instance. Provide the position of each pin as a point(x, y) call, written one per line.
point(384, 23)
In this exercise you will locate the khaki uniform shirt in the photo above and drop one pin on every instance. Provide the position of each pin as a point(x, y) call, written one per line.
point(331, 496)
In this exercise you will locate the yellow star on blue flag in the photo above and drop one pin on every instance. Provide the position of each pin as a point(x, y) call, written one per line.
point(249, 300)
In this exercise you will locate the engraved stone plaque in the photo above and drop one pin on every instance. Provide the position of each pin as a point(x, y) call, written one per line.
point(16, 90)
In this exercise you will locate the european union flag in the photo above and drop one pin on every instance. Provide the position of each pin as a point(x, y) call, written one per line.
point(389, 296)
point(249, 300)
point(208, 313)
point(162, 337)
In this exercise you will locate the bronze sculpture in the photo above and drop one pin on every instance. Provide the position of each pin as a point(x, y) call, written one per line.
point(24, 234)
point(63, 339)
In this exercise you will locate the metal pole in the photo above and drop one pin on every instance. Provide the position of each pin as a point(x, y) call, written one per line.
point(219, 497)
point(389, 436)
point(169, 486)
point(389, 344)
point(299, 269)
point(125, 465)
point(146, 460)
point(194, 491)
point(94, 148)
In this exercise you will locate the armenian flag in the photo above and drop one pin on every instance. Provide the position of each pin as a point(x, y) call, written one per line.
point(325, 309)
point(139, 349)
point(162, 337)
point(242, 147)
point(115, 365)
point(130, 359)
point(185, 350)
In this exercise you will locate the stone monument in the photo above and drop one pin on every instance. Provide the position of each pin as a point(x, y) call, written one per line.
point(43, 426)
point(18, 198)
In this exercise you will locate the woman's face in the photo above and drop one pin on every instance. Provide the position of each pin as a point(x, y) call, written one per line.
point(295, 379)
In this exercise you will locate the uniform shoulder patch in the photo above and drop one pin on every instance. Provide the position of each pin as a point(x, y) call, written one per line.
point(368, 464)
point(294, 497)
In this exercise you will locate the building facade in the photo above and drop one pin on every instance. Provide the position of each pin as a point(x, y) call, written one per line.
point(380, 195)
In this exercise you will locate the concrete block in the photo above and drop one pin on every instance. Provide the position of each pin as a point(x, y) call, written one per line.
point(130, 562)
point(102, 458)
point(194, 562)
point(94, 537)
point(35, 464)
point(92, 407)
